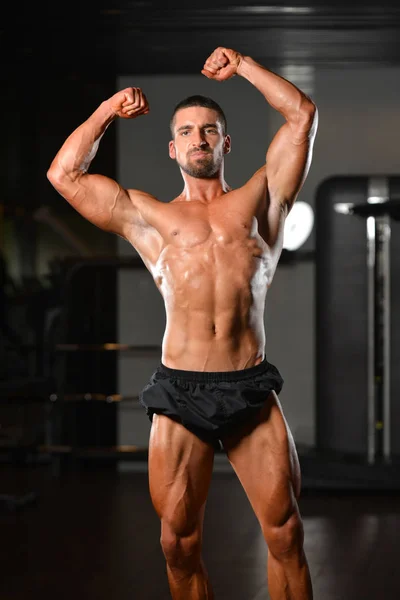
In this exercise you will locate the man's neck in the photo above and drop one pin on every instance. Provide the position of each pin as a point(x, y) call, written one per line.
point(203, 190)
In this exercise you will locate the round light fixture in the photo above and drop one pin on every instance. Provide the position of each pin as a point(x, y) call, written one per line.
point(298, 225)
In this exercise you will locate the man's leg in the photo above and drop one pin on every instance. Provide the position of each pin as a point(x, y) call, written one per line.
point(264, 457)
point(180, 469)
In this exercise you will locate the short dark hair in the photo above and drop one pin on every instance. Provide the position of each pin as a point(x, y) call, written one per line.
point(203, 101)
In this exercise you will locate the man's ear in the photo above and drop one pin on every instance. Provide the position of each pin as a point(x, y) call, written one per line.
point(171, 146)
point(227, 144)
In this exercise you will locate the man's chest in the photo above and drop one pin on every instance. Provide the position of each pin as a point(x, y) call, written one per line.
point(223, 222)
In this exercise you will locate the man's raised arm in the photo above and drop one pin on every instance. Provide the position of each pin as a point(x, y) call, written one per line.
point(99, 199)
point(290, 152)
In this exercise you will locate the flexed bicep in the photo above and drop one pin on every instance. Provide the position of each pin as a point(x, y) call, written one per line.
point(289, 158)
point(99, 199)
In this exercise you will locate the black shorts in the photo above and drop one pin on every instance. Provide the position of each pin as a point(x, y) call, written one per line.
point(210, 404)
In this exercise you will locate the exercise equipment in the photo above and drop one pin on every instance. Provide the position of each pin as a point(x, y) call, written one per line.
point(357, 333)
point(378, 212)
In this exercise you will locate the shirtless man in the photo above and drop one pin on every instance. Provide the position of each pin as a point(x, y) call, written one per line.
point(212, 252)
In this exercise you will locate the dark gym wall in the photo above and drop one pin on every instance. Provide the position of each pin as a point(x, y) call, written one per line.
point(39, 111)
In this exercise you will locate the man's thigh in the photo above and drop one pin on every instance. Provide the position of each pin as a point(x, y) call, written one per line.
point(180, 470)
point(263, 455)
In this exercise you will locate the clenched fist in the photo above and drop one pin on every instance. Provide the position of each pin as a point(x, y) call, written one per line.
point(222, 64)
point(129, 103)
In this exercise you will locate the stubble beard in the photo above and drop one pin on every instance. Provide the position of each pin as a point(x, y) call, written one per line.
point(202, 168)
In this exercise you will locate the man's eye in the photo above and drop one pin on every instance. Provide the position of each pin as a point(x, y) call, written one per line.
point(184, 132)
point(211, 130)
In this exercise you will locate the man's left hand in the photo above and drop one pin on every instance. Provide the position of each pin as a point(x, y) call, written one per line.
point(222, 64)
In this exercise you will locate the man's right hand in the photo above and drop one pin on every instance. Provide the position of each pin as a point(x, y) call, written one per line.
point(129, 103)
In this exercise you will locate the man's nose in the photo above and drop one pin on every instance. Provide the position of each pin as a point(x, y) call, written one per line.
point(199, 140)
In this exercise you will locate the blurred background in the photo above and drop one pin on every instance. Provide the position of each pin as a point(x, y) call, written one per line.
point(81, 321)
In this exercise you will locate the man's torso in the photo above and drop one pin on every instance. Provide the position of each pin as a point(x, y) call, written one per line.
point(212, 264)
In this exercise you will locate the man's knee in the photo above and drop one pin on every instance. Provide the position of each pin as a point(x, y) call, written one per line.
point(182, 549)
point(285, 541)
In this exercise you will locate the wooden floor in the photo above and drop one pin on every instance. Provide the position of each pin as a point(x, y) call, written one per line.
point(93, 535)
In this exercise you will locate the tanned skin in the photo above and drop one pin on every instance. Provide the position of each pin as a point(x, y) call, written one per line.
point(212, 252)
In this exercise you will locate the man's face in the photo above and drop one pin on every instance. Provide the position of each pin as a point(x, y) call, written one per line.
point(199, 144)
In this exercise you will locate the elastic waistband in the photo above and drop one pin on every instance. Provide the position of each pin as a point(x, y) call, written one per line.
point(214, 376)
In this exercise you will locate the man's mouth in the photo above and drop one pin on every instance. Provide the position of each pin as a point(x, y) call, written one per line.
point(200, 154)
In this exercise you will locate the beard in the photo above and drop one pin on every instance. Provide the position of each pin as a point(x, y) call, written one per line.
point(202, 168)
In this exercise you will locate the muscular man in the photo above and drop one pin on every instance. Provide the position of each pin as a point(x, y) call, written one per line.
point(212, 252)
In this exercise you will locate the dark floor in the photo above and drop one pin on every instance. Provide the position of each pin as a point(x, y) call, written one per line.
point(92, 534)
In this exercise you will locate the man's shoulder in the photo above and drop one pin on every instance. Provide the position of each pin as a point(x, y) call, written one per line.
point(141, 195)
point(256, 183)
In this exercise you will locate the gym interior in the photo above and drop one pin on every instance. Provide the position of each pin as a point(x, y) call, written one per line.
point(81, 321)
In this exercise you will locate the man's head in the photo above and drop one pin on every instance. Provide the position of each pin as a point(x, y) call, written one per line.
point(198, 128)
